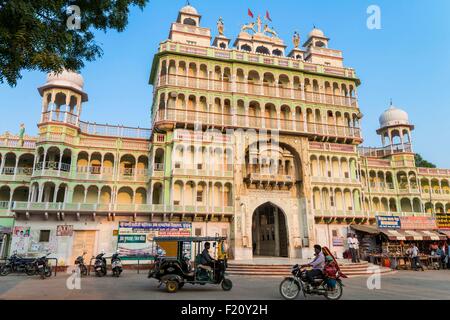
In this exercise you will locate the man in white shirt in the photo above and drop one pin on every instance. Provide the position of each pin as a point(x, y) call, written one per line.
point(356, 247)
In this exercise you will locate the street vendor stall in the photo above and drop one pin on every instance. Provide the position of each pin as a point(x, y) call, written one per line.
point(387, 243)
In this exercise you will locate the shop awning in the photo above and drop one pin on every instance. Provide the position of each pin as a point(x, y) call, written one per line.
point(366, 229)
point(416, 235)
point(445, 233)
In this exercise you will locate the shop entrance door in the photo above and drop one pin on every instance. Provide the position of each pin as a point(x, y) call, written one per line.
point(83, 241)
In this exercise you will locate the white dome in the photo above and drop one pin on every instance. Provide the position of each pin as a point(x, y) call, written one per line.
point(316, 33)
point(189, 10)
point(66, 79)
point(393, 116)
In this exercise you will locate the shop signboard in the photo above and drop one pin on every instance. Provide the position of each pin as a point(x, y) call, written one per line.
point(338, 242)
point(418, 223)
point(443, 221)
point(388, 222)
point(135, 239)
point(64, 231)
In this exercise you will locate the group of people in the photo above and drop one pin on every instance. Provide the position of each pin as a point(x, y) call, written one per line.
point(443, 252)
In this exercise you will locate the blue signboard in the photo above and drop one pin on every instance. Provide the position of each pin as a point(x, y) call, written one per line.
point(388, 222)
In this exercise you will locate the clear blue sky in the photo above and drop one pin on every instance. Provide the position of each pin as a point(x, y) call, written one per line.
point(408, 60)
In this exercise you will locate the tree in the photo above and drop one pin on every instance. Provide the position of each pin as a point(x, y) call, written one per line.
point(420, 162)
point(50, 35)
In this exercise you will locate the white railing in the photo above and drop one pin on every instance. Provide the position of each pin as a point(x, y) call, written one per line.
point(116, 207)
point(384, 151)
point(114, 131)
point(236, 120)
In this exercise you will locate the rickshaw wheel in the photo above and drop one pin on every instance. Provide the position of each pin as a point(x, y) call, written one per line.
point(172, 286)
point(227, 284)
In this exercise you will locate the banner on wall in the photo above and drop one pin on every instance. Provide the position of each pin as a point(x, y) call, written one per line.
point(443, 220)
point(21, 240)
point(388, 222)
point(135, 239)
point(418, 223)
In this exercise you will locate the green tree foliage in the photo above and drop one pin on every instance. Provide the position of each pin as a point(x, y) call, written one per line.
point(420, 162)
point(34, 34)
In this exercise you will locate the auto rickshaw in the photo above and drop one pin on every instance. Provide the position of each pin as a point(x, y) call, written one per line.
point(174, 268)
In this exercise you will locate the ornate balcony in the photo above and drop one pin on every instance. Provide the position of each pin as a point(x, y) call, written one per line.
point(270, 179)
point(236, 120)
point(247, 88)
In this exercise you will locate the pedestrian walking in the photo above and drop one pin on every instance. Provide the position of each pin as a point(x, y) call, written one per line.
point(413, 252)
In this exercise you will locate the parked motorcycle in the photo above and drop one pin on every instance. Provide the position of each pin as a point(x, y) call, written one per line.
point(100, 265)
point(16, 263)
point(79, 261)
point(331, 289)
point(41, 267)
point(116, 265)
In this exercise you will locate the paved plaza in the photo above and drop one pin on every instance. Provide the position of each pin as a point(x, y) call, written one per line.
point(401, 285)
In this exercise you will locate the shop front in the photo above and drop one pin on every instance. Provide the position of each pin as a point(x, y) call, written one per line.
point(387, 243)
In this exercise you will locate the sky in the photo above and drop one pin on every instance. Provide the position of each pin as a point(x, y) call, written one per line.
point(407, 60)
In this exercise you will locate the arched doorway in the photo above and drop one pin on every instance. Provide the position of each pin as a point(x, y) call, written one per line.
point(269, 231)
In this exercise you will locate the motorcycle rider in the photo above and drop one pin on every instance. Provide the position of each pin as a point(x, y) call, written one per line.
point(317, 264)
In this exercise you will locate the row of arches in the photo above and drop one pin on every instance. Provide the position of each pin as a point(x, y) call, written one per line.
point(217, 77)
point(333, 167)
point(220, 111)
point(339, 199)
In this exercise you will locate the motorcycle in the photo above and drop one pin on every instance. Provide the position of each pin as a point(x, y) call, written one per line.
point(100, 265)
point(41, 267)
point(116, 265)
point(79, 261)
point(330, 288)
point(16, 263)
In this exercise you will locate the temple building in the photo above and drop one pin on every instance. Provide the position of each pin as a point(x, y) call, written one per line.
point(248, 140)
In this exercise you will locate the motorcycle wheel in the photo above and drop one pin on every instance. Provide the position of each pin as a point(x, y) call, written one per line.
point(104, 272)
point(30, 270)
point(42, 274)
point(289, 289)
point(172, 286)
point(48, 272)
point(227, 284)
point(5, 270)
point(335, 294)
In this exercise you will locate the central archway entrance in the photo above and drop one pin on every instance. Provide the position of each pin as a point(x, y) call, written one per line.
point(269, 231)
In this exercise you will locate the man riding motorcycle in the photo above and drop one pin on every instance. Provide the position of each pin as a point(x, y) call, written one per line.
point(317, 264)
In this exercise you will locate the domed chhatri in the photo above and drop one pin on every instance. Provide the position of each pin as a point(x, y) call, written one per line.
point(316, 33)
point(189, 10)
point(393, 117)
point(66, 79)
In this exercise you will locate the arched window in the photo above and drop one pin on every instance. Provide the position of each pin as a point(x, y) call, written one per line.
point(263, 50)
point(246, 47)
point(190, 22)
point(277, 52)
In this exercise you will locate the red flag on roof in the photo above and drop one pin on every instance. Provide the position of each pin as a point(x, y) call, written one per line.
point(250, 13)
point(268, 16)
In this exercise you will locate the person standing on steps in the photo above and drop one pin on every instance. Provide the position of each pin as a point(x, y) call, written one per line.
point(356, 247)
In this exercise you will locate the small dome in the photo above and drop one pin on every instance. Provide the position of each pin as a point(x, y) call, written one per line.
point(189, 10)
point(316, 33)
point(66, 79)
point(393, 116)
